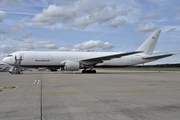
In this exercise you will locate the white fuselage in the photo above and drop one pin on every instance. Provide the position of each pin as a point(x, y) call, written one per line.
point(55, 59)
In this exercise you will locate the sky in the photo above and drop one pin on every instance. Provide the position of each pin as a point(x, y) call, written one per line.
point(95, 25)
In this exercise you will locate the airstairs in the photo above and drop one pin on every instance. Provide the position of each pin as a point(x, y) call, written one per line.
point(17, 69)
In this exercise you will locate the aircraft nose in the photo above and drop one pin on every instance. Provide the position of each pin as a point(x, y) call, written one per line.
point(5, 60)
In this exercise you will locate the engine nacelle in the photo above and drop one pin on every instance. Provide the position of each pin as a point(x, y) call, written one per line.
point(71, 65)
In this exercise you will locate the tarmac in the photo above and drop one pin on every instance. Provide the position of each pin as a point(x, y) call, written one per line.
point(107, 95)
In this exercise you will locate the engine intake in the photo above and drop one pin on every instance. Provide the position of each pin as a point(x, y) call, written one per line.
point(71, 65)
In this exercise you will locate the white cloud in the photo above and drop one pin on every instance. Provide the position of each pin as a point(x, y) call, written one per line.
point(50, 15)
point(147, 28)
point(64, 1)
point(99, 17)
point(93, 44)
point(88, 44)
point(79, 14)
point(27, 44)
point(32, 43)
point(64, 49)
point(157, 52)
point(46, 44)
point(20, 13)
point(24, 36)
point(2, 14)
point(149, 16)
point(106, 46)
point(5, 49)
point(53, 27)
point(18, 26)
point(117, 21)
point(172, 29)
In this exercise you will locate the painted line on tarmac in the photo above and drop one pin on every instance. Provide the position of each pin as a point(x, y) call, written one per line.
point(60, 93)
point(8, 87)
point(132, 91)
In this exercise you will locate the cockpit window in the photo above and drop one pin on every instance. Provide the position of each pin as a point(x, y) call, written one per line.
point(9, 55)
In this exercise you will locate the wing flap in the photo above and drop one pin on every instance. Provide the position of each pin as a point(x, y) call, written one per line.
point(91, 61)
point(158, 56)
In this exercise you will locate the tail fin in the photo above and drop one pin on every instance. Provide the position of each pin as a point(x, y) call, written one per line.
point(150, 43)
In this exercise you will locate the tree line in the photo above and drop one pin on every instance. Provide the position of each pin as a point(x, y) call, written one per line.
point(159, 66)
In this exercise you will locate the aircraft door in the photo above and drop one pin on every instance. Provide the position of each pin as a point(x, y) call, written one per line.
point(21, 56)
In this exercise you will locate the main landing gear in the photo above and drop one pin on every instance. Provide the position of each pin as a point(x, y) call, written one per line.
point(88, 71)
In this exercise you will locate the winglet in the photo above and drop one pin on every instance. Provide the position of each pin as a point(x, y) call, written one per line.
point(150, 43)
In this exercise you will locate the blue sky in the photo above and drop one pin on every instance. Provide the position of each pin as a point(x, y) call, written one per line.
point(97, 25)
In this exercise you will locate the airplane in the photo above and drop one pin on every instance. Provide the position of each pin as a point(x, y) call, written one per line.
point(73, 61)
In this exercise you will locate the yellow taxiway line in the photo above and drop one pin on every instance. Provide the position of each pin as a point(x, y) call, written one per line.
point(8, 87)
point(128, 91)
point(50, 93)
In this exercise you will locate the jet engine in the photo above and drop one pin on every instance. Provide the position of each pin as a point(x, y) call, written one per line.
point(71, 65)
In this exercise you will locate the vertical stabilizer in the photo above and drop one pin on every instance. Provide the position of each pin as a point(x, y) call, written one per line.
point(150, 43)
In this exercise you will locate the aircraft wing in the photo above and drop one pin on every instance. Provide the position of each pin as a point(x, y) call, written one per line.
point(158, 56)
point(95, 60)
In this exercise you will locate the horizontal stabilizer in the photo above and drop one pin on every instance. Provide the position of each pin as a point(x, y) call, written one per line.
point(158, 56)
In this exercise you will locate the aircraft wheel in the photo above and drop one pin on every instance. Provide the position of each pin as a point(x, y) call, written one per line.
point(93, 71)
point(88, 71)
point(83, 71)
